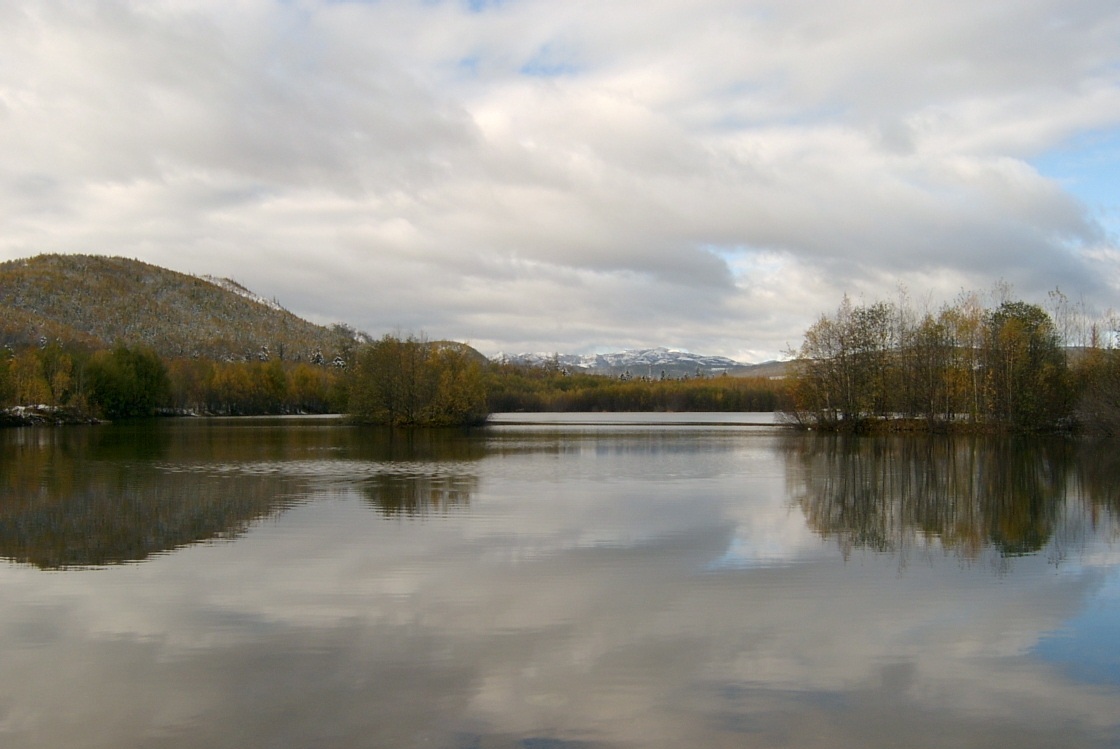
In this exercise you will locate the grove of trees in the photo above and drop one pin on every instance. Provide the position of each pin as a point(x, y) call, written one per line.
point(127, 382)
point(965, 365)
point(519, 388)
point(414, 382)
point(133, 381)
point(119, 383)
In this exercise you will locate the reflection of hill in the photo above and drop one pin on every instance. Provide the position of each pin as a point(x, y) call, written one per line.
point(109, 521)
point(95, 497)
point(881, 493)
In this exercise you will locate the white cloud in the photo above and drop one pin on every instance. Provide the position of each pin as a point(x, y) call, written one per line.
point(562, 176)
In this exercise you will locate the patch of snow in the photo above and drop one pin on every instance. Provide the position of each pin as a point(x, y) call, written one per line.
point(230, 285)
point(639, 361)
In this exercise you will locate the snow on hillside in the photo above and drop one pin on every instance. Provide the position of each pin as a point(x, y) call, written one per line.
point(638, 362)
point(230, 285)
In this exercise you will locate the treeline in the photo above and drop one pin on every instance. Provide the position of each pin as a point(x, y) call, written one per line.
point(414, 382)
point(407, 382)
point(965, 365)
point(256, 387)
point(134, 381)
point(519, 388)
point(395, 381)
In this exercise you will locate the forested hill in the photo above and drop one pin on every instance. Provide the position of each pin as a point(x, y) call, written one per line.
point(105, 301)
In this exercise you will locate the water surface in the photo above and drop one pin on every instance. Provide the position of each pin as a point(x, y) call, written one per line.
point(602, 583)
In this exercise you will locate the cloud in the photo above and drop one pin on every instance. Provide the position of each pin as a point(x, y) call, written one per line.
point(566, 176)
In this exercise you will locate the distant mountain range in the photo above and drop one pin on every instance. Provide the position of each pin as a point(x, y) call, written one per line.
point(653, 362)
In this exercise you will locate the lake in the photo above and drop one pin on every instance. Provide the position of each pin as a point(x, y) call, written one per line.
point(555, 582)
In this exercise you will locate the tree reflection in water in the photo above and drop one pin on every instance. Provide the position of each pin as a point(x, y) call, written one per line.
point(418, 471)
point(965, 493)
point(107, 496)
point(416, 495)
point(88, 497)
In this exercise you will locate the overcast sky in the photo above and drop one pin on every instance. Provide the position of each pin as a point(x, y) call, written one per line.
point(560, 175)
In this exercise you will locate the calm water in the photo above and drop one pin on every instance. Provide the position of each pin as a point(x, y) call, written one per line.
point(270, 583)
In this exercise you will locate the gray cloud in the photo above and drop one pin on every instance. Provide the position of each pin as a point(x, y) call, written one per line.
point(528, 174)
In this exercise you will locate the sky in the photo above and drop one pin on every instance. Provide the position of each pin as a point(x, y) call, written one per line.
point(571, 176)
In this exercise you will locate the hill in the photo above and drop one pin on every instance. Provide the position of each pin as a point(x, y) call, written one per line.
point(768, 369)
point(102, 301)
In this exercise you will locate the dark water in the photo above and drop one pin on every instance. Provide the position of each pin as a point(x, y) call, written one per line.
point(263, 583)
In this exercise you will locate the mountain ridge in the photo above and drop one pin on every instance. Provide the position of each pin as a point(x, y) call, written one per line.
point(649, 362)
point(96, 300)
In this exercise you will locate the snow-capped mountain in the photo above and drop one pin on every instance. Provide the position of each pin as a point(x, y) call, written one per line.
point(648, 362)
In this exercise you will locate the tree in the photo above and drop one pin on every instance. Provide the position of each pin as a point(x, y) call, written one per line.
point(930, 361)
point(128, 382)
point(378, 392)
point(309, 388)
point(845, 366)
point(460, 393)
point(27, 381)
point(230, 389)
point(1026, 368)
point(819, 386)
point(412, 382)
point(965, 324)
point(189, 383)
point(57, 368)
point(1098, 409)
point(7, 391)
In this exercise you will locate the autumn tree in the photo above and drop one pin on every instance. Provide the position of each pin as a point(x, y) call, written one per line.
point(309, 388)
point(128, 382)
point(459, 396)
point(1026, 367)
point(57, 368)
point(7, 391)
point(1098, 377)
point(412, 382)
point(928, 362)
point(964, 324)
point(845, 367)
point(27, 382)
point(879, 362)
point(189, 383)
